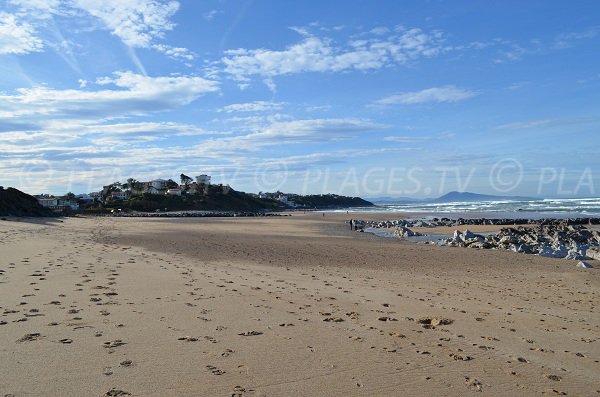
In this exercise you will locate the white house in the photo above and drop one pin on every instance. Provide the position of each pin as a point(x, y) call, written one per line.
point(48, 201)
point(203, 179)
point(58, 203)
point(174, 191)
point(286, 200)
point(85, 197)
point(119, 195)
point(158, 184)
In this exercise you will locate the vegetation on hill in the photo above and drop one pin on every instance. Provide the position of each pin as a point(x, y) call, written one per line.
point(14, 202)
point(223, 198)
point(212, 198)
point(327, 201)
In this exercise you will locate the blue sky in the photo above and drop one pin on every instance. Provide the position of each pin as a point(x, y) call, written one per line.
point(382, 98)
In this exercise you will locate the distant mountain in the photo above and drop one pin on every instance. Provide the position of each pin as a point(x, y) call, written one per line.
point(468, 196)
point(14, 202)
point(447, 198)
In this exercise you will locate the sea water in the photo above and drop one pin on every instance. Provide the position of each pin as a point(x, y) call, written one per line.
point(561, 208)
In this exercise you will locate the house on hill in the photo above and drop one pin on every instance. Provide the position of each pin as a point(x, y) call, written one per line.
point(158, 184)
point(58, 204)
point(203, 179)
point(174, 191)
point(120, 195)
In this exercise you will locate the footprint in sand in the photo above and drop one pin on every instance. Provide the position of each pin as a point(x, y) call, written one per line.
point(116, 393)
point(215, 370)
point(227, 353)
point(473, 384)
point(126, 363)
point(431, 323)
point(188, 338)
point(114, 343)
point(29, 337)
point(250, 333)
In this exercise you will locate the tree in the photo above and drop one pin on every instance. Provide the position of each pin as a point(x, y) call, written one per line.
point(108, 189)
point(131, 183)
point(185, 180)
point(171, 184)
point(70, 196)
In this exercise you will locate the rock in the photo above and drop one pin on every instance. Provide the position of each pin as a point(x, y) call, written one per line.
point(507, 240)
point(402, 231)
point(575, 256)
point(467, 234)
point(584, 265)
point(593, 253)
point(458, 237)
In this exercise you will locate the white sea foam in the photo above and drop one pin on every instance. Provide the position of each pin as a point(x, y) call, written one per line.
point(561, 207)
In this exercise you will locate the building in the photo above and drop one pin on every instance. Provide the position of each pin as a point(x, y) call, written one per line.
point(151, 189)
point(59, 204)
point(174, 191)
point(158, 184)
point(286, 200)
point(120, 195)
point(85, 197)
point(203, 179)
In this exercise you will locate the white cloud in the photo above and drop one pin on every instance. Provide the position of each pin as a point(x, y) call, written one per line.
point(435, 94)
point(17, 37)
point(293, 132)
point(406, 139)
point(37, 8)
point(256, 106)
point(314, 54)
point(210, 15)
point(520, 125)
point(566, 40)
point(136, 94)
point(179, 53)
point(136, 22)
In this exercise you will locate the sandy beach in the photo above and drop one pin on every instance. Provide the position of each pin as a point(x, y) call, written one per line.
point(284, 306)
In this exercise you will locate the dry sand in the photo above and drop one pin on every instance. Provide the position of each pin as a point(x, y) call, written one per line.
point(290, 306)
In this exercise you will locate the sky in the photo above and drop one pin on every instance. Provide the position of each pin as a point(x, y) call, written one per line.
point(373, 99)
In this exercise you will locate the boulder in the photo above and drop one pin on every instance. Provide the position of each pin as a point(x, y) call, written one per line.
point(506, 240)
point(403, 232)
point(575, 256)
point(458, 237)
point(584, 265)
point(593, 253)
point(467, 234)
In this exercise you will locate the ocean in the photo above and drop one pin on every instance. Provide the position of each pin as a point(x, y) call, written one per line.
point(561, 208)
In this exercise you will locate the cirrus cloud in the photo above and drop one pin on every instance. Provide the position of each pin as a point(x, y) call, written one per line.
point(445, 94)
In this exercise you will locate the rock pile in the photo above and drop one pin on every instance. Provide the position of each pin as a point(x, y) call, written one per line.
point(556, 240)
point(436, 222)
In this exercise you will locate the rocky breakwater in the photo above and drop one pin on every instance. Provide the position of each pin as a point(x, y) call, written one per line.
point(551, 239)
point(570, 238)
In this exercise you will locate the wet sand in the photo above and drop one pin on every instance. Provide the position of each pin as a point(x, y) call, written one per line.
point(294, 305)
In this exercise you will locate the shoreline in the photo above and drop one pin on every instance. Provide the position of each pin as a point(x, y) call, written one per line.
point(295, 305)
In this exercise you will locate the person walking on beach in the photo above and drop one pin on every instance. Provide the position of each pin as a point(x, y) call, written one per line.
point(351, 224)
